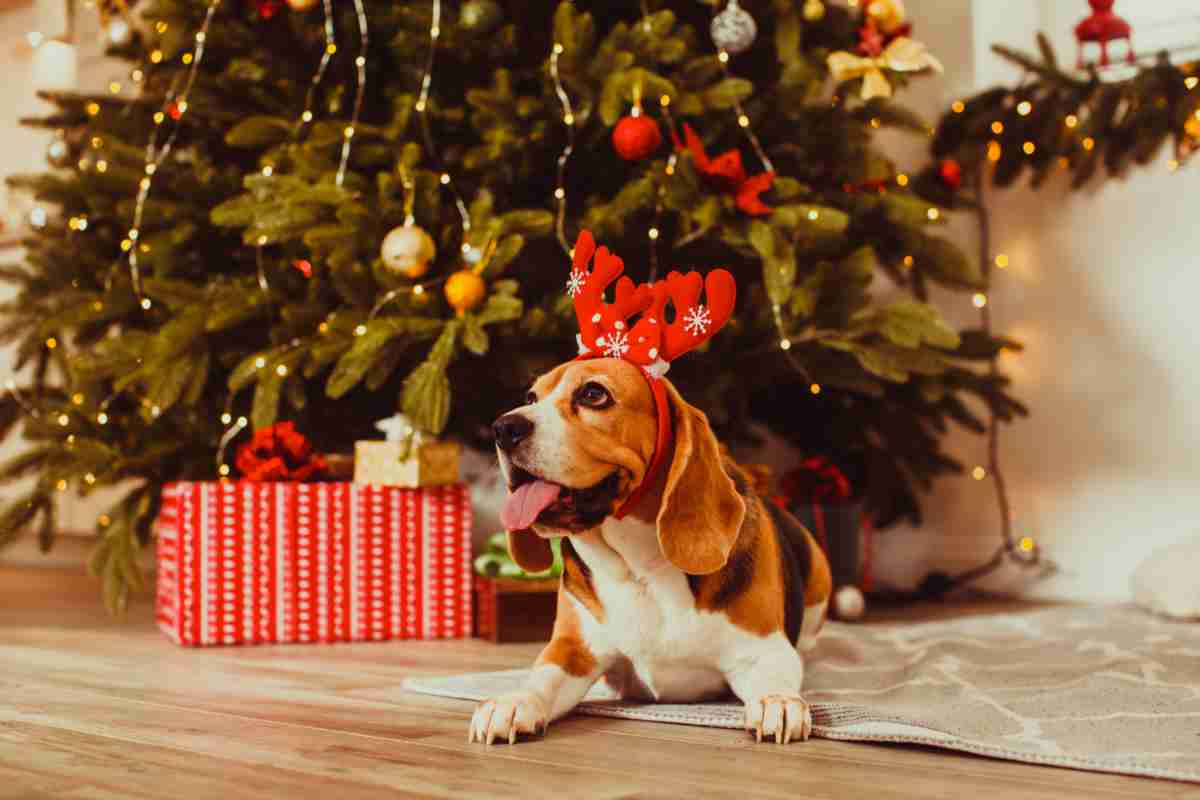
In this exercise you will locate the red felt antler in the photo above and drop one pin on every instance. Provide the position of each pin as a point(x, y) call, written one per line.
point(605, 330)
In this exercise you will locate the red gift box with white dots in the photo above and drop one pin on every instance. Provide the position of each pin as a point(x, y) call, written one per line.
point(258, 563)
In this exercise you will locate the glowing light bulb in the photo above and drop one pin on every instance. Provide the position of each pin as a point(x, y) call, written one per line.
point(51, 343)
point(1026, 544)
point(723, 57)
point(933, 214)
point(902, 179)
point(979, 473)
point(908, 261)
point(1029, 148)
point(744, 121)
point(997, 127)
point(226, 418)
point(1024, 108)
point(994, 151)
point(146, 304)
point(1191, 82)
point(1089, 144)
point(958, 106)
point(360, 330)
point(64, 420)
point(1001, 260)
point(979, 300)
point(560, 193)
point(260, 362)
point(89, 478)
point(815, 388)
point(102, 418)
point(281, 370)
point(785, 344)
point(1071, 121)
point(223, 470)
point(653, 234)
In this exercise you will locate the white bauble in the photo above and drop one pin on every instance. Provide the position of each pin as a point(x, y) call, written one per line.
point(408, 250)
point(119, 32)
point(733, 30)
point(849, 605)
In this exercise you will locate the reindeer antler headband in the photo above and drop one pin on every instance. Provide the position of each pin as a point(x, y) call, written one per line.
point(605, 329)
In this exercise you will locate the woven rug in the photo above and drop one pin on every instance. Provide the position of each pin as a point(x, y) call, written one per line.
point(1103, 689)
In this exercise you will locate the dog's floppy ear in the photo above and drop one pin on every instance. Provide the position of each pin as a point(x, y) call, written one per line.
point(701, 510)
point(531, 552)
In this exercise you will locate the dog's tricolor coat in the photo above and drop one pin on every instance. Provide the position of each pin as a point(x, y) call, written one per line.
point(702, 588)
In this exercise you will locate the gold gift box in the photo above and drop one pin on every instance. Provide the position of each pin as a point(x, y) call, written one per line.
point(402, 464)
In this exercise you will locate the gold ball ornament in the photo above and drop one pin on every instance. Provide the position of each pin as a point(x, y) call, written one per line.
point(407, 250)
point(302, 5)
point(814, 10)
point(465, 290)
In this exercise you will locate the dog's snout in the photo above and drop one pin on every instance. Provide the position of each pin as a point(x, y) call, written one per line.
point(510, 430)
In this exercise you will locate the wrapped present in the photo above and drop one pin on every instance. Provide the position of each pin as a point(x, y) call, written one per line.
point(407, 458)
point(820, 496)
point(515, 609)
point(512, 605)
point(264, 562)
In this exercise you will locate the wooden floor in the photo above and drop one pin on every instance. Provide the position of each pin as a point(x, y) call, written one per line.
point(96, 708)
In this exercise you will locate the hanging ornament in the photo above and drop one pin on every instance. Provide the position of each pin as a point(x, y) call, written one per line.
point(118, 32)
point(302, 5)
point(480, 16)
point(889, 17)
point(266, 9)
point(636, 137)
point(727, 174)
point(1104, 27)
point(902, 55)
point(733, 30)
point(950, 172)
point(59, 152)
point(1192, 126)
point(465, 290)
point(407, 250)
point(813, 11)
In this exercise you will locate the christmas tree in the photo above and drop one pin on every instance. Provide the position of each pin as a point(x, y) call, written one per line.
point(320, 212)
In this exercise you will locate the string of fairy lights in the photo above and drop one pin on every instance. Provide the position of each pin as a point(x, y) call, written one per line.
point(175, 106)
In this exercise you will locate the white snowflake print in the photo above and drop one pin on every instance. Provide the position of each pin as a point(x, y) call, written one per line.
point(616, 344)
point(576, 282)
point(697, 320)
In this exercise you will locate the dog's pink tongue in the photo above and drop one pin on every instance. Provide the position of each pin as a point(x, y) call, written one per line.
point(524, 505)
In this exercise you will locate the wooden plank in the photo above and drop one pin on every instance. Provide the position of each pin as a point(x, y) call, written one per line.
point(85, 698)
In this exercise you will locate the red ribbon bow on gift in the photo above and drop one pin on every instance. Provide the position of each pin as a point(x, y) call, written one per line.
point(279, 453)
point(816, 480)
point(727, 174)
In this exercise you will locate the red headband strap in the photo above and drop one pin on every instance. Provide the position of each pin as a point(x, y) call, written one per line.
point(652, 343)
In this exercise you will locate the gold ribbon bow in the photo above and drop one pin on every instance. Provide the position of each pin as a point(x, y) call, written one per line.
point(902, 55)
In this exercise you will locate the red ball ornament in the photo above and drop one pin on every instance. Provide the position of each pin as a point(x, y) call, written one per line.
point(951, 173)
point(636, 137)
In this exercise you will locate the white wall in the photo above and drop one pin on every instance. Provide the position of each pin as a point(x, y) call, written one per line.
point(1102, 290)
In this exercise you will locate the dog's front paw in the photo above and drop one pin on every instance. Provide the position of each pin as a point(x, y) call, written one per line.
point(786, 717)
point(505, 716)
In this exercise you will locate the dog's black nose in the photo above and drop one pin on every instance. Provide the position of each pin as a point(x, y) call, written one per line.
point(510, 430)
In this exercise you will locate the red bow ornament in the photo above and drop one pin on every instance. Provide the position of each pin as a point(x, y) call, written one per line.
point(727, 174)
point(279, 453)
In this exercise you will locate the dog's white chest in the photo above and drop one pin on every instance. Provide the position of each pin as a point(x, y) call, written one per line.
point(664, 648)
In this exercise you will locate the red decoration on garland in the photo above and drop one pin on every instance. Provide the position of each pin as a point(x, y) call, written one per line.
point(303, 266)
point(726, 173)
point(951, 173)
point(279, 453)
point(267, 8)
point(175, 111)
point(1103, 27)
point(870, 41)
point(636, 137)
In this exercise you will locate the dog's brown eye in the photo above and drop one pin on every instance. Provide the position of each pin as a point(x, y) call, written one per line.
point(593, 395)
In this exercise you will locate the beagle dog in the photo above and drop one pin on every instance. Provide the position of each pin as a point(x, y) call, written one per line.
point(696, 588)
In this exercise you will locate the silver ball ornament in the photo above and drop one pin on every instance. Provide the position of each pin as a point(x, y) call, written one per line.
point(733, 30)
point(849, 605)
point(59, 152)
point(119, 32)
point(407, 250)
